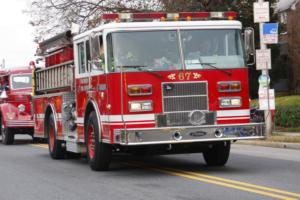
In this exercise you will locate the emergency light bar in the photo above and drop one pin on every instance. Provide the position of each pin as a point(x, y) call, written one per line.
point(160, 16)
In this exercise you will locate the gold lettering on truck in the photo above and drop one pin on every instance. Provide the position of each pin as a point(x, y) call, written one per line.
point(184, 76)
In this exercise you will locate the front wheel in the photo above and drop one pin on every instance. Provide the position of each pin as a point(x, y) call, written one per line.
point(56, 149)
point(218, 154)
point(8, 136)
point(98, 153)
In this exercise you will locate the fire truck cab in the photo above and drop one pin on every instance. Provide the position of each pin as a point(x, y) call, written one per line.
point(15, 103)
point(146, 83)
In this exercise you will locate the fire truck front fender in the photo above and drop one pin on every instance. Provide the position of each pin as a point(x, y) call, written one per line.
point(8, 112)
point(93, 106)
point(50, 110)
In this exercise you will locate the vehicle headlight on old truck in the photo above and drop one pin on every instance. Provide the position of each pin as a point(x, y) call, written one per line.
point(21, 108)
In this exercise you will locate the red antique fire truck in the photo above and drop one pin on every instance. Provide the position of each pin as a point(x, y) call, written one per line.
point(15, 103)
point(146, 83)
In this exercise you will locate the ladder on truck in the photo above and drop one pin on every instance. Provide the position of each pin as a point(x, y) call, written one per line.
point(56, 77)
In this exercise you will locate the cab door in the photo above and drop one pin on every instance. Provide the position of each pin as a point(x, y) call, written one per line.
point(98, 80)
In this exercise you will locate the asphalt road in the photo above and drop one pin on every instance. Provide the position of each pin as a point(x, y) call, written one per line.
point(28, 173)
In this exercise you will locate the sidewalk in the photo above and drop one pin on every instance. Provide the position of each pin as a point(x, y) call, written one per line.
point(276, 144)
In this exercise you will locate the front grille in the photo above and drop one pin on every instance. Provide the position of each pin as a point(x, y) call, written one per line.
point(185, 103)
point(184, 96)
point(179, 99)
point(184, 89)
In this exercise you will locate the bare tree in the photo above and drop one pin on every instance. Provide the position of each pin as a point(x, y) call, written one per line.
point(50, 17)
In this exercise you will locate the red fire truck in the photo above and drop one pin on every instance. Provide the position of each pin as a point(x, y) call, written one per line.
point(143, 83)
point(15, 103)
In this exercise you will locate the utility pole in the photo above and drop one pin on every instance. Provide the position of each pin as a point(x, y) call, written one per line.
point(267, 112)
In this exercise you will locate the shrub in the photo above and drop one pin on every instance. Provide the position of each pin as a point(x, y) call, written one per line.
point(287, 115)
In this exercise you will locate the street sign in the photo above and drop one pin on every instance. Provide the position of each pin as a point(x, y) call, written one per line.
point(263, 59)
point(270, 33)
point(265, 94)
point(261, 12)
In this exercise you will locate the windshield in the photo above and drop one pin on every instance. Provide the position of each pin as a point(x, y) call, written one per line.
point(151, 50)
point(220, 48)
point(160, 50)
point(21, 81)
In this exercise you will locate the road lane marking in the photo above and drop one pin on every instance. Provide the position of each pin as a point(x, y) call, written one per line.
point(243, 183)
point(261, 190)
point(41, 145)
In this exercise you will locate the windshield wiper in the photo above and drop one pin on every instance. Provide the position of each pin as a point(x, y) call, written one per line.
point(215, 67)
point(143, 68)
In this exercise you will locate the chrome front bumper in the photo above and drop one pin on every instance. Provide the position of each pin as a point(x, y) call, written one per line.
point(188, 134)
point(20, 123)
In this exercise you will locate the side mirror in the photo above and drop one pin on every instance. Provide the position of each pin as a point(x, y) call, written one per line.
point(249, 43)
point(6, 87)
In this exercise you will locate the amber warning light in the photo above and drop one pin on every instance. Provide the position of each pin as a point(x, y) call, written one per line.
point(161, 16)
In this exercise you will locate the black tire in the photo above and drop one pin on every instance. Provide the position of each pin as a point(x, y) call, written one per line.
point(8, 136)
point(218, 154)
point(56, 147)
point(99, 154)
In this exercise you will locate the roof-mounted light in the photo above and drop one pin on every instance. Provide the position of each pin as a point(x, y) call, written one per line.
point(173, 16)
point(160, 16)
point(217, 15)
point(230, 15)
point(150, 16)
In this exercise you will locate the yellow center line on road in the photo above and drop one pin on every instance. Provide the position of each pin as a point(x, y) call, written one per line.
point(261, 190)
point(242, 183)
point(45, 146)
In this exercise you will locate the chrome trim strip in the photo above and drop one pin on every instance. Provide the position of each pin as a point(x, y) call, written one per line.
point(193, 141)
point(200, 95)
point(233, 113)
point(49, 95)
point(194, 127)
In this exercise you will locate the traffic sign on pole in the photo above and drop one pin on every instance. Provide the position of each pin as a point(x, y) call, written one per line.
point(270, 33)
point(263, 59)
point(266, 99)
point(261, 12)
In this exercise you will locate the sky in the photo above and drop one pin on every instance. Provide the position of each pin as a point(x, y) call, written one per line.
point(16, 35)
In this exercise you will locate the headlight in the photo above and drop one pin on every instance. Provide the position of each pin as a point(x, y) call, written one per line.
point(230, 102)
point(21, 108)
point(140, 106)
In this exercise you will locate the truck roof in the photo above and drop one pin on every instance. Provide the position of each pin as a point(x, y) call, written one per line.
point(205, 24)
point(18, 70)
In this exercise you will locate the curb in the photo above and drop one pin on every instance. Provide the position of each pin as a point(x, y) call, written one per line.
point(283, 145)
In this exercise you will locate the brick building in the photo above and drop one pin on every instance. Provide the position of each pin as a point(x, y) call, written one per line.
point(289, 16)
